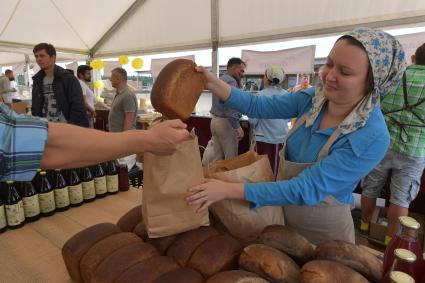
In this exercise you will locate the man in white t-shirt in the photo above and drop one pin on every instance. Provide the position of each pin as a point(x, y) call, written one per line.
point(6, 89)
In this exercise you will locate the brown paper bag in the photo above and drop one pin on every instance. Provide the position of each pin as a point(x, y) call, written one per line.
point(166, 180)
point(242, 221)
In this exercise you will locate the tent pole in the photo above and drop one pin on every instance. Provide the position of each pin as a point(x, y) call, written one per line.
point(214, 36)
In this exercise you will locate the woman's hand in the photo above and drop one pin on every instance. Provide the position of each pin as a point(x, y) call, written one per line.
point(211, 191)
point(217, 86)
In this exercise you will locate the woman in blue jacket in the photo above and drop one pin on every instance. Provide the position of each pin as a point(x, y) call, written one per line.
point(340, 136)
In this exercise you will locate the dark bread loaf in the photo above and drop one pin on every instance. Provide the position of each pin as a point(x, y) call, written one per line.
point(269, 263)
point(216, 254)
point(77, 246)
point(177, 89)
point(325, 271)
point(187, 242)
point(141, 231)
point(162, 243)
point(181, 275)
point(148, 270)
point(288, 241)
point(101, 250)
point(121, 260)
point(236, 276)
point(352, 256)
point(128, 221)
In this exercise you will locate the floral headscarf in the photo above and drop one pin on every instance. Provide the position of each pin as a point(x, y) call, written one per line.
point(387, 59)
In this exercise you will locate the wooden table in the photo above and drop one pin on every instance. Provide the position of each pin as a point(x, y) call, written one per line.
point(33, 253)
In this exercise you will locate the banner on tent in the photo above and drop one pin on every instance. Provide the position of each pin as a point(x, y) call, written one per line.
point(298, 60)
point(158, 64)
point(410, 43)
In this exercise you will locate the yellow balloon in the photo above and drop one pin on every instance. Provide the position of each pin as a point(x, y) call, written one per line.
point(123, 59)
point(101, 64)
point(97, 64)
point(137, 63)
point(99, 84)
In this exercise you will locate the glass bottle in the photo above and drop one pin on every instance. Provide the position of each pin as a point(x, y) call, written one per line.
point(112, 177)
point(3, 221)
point(87, 182)
point(30, 201)
point(404, 261)
point(36, 180)
point(75, 188)
point(61, 191)
point(123, 183)
point(100, 181)
point(46, 196)
point(14, 207)
point(400, 277)
point(405, 238)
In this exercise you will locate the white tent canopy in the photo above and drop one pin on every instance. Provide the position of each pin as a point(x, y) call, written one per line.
point(106, 28)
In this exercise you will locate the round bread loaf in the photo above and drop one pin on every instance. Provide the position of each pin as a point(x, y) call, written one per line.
point(128, 221)
point(121, 260)
point(216, 254)
point(101, 250)
point(187, 242)
point(325, 271)
point(177, 89)
point(183, 275)
point(352, 256)
point(236, 276)
point(288, 241)
point(162, 243)
point(141, 231)
point(269, 263)
point(148, 270)
point(77, 246)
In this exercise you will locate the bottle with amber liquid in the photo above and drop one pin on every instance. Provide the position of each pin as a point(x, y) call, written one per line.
point(3, 221)
point(61, 191)
point(46, 196)
point(100, 181)
point(14, 207)
point(36, 180)
point(112, 177)
point(30, 200)
point(87, 182)
point(75, 188)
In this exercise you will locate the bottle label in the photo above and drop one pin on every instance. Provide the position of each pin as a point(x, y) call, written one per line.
point(47, 202)
point(15, 213)
point(100, 185)
point(76, 194)
point(62, 197)
point(3, 222)
point(88, 190)
point(112, 183)
point(31, 206)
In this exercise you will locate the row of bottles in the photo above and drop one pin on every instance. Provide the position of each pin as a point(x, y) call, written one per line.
point(54, 191)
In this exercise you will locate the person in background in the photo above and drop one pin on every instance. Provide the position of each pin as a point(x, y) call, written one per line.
point(226, 130)
point(56, 92)
point(305, 83)
point(6, 90)
point(339, 137)
point(28, 143)
point(404, 110)
point(268, 134)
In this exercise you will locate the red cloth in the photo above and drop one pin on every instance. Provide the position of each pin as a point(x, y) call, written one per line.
point(272, 150)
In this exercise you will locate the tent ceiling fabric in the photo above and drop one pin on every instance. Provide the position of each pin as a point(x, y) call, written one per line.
point(162, 25)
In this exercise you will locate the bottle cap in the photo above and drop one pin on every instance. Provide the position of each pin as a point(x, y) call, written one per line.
point(409, 222)
point(43, 173)
point(9, 182)
point(57, 170)
point(401, 277)
point(405, 255)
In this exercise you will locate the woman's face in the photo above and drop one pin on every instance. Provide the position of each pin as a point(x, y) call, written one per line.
point(345, 74)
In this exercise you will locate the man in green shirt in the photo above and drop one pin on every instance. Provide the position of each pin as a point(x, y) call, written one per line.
point(405, 116)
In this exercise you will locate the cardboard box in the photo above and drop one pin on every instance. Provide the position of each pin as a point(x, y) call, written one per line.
point(378, 230)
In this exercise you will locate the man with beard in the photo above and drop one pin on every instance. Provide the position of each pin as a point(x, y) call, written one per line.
point(6, 89)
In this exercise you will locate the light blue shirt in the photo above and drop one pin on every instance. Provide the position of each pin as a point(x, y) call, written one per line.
point(271, 131)
point(350, 158)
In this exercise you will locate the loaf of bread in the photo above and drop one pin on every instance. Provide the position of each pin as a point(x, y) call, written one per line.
point(162, 243)
point(288, 241)
point(101, 250)
point(181, 275)
point(352, 256)
point(121, 260)
point(148, 271)
point(269, 263)
point(187, 242)
point(177, 89)
point(236, 276)
point(128, 221)
point(77, 246)
point(216, 254)
point(325, 271)
point(141, 231)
